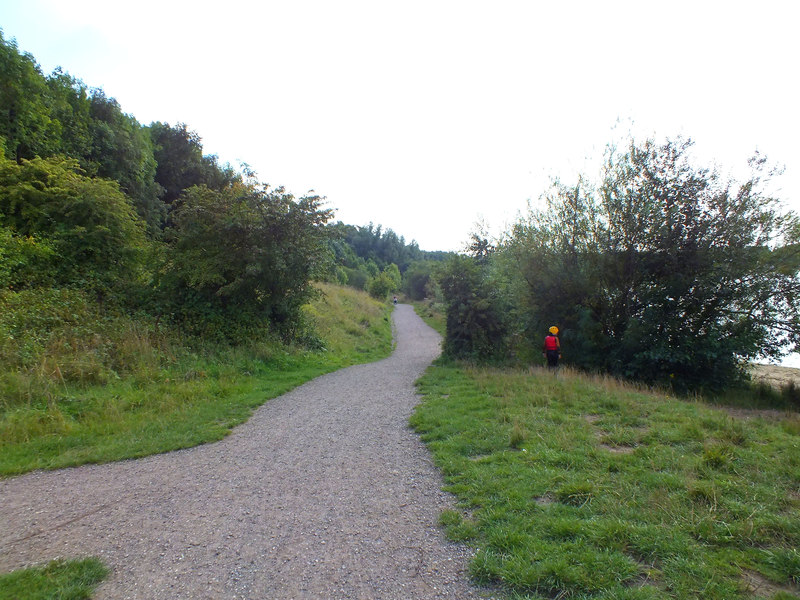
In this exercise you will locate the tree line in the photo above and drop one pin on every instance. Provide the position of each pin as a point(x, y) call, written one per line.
point(661, 271)
point(92, 200)
point(378, 260)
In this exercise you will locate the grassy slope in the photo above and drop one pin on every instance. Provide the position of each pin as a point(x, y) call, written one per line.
point(585, 488)
point(191, 400)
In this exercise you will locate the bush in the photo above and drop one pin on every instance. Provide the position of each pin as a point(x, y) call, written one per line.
point(243, 256)
point(474, 327)
point(416, 279)
point(90, 232)
point(385, 283)
point(663, 272)
point(25, 261)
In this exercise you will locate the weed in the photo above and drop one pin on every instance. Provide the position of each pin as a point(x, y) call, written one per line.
point(791, 425)
point(785, 563)
point(518, 435)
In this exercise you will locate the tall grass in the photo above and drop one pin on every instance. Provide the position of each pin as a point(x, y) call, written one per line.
point(78, 385)
point(585, 487)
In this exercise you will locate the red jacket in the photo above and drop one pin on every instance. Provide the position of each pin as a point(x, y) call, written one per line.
point(551, 343)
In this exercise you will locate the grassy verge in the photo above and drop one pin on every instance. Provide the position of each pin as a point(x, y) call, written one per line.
point(73, 580)
point(71, 405)
point(579, 487)
point(432, 314)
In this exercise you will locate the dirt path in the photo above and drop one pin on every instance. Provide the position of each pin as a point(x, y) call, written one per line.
point(324, 493)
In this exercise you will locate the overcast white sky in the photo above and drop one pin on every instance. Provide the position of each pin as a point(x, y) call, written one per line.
point(426, 116)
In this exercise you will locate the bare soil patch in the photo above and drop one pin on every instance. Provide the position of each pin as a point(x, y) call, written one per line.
point(759, 586)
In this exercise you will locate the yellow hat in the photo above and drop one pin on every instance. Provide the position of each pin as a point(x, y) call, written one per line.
point(554, 330)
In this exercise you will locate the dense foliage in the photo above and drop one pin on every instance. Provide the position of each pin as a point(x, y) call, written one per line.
point(378, 260)
point(244, 254)
point(59, 115)
point(93, 236)
point(475, 325)
point(91, 200)
point(663, 272)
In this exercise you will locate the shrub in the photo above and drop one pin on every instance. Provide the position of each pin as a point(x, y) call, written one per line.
point(93, 237)
point(474, 327)
point(241, 256)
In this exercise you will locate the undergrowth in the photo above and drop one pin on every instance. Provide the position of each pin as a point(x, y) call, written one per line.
point(80, 385)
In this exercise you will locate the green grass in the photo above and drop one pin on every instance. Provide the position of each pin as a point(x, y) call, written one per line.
point(71, 406)
point(570, 486)
point(62, 580)
point(432, 313)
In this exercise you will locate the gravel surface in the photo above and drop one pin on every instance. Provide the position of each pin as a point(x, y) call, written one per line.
point(324, 493)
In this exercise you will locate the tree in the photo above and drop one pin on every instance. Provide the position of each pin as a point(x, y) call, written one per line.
point(381, 247)
point(664, 273)
point(181, 164)
point(475, 328)
point(58, 116)
point(381, 286)
point(416, 278)
point(69, 105)
point(121, 150)
point(244, 254)
point(89, 224)
point(24, 260)
point(25, 121)
point(385, 282)
point(551, 263)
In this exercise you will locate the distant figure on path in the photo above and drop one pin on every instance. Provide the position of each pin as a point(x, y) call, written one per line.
point(552, 348)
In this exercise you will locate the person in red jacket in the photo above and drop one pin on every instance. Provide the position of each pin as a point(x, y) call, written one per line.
point(552, 348)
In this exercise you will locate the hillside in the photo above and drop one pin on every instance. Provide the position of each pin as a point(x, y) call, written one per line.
point(96, 390)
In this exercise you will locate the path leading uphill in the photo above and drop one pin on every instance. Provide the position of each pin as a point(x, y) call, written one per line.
point(324, 493)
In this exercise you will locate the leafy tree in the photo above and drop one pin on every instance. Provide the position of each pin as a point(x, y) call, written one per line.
point(244, 254)
point(385, 282)
point(89, 225)
point(665, 272)
point(475, 328)
point(58, 115)
point(416, 279)
point(551, 262)
point(357, 278)
point(393, 273)
point(122, 150)
point(24, 260)
point(25, 121)
point(181, 164)
point(68, 99)
point(365, 251)
point(381, 286)
point(381, 247)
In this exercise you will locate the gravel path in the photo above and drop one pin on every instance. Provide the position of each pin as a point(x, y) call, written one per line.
point(324, 493)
